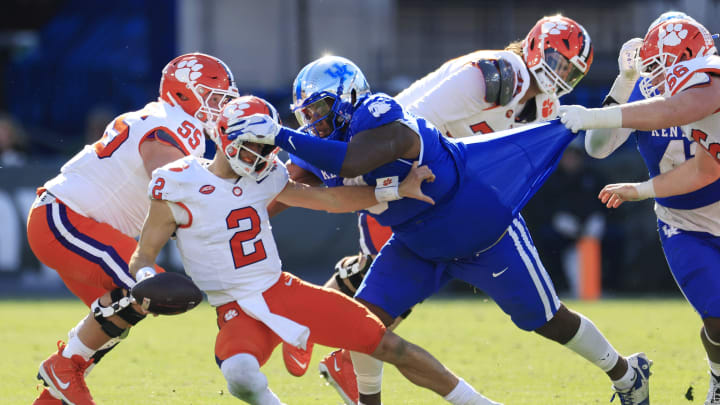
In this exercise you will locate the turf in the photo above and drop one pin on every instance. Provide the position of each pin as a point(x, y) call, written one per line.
point(169, 360)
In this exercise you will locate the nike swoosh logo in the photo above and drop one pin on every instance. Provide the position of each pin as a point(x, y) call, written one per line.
point(337, 369)
point(291, 142)
point(63, 385)
point(299, 363)
point(288, 282)
point(500, 272)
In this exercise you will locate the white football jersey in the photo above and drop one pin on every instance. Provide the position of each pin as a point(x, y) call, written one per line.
point(226, 243)
point(706, 133)
point(694, 72)
point(107, 181)
point(453, 97)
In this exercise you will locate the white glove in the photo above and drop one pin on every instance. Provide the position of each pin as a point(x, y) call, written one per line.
point(626, 59)
point(625, 81)
point(577, 117)
point(259, 128)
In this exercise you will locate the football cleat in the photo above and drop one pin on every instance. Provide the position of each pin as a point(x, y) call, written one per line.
point(639, 393)
point(64, 377)
point(297, 360)
point(713, 397)
point(46, 398)
point(338, 371)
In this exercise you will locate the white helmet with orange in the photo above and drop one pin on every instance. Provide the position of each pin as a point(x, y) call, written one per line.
point(246, 158)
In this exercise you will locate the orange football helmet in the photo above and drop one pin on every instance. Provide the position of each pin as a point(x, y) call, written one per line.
point(200, 84)
point(258, 161)
point(558, 52)
point(668, 43)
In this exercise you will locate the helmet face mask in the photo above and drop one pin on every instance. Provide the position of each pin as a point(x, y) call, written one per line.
point(666, 44)
point(200, 84)
point(329, 81)
point(248, 159)
point(317, 117)
point(558, 52)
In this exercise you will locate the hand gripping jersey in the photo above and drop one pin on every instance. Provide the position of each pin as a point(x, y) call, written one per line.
point(107, 181)
point(225, 238)
point(477, 93)
point(481, 182)
point(664, 149)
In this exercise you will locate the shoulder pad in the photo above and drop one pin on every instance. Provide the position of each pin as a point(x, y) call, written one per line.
point(499, 78)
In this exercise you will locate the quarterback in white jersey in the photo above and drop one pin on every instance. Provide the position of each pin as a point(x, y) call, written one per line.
point(85, 220)
point(218, 211)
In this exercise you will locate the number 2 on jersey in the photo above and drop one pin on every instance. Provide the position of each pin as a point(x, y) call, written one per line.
point(240, 258)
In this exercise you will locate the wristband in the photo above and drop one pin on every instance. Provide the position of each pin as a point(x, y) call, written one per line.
point(143, 273)
point(645, 190)
point(386, 189)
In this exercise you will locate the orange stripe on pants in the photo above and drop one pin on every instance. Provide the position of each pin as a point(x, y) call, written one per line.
point(84, 278)
point(334, 320)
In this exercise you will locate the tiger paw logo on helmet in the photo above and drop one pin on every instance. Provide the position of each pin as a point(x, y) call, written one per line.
point(672, 34)
point(554, 27)
point(188, 70)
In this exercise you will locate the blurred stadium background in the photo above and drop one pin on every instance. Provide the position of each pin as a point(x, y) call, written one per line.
point(69, 66)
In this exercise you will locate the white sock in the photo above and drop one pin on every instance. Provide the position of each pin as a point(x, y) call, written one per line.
point(368, 371)
point(464, 394)
point(626, 381)
point(76, 347)
point(714, 368)
point(590, 343)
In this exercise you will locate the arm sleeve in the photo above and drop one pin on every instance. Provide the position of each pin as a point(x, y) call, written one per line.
point(600, 143)
point(324, 154)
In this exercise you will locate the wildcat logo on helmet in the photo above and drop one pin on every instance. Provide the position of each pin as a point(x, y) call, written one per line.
point(379, 108)
point(207, 189)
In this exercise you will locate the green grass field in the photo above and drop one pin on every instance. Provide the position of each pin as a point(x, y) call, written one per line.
point(169, 360)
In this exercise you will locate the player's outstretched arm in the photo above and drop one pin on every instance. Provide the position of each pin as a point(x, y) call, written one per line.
point(354, 198)
point(158, 228)
point(656, 113)
point(691, 175)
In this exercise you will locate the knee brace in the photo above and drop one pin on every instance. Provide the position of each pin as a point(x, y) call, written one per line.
point(350, 272)
point(243, 376)
point(120, 305)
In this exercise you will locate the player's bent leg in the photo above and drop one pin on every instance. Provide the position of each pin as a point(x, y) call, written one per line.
point(246, 381)
point(421, 368)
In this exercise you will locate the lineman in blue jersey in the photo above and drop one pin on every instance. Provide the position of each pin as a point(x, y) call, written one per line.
point(688, 224)
point(474, 231)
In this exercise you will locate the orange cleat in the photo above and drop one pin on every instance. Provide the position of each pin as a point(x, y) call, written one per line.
point(65, 378)
point(46, 398)
point(337, 369)
point(297, 360)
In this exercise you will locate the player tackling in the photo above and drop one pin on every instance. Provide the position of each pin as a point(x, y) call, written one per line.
point(218, 211)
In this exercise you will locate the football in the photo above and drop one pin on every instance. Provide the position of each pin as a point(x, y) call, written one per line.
point(167, 294)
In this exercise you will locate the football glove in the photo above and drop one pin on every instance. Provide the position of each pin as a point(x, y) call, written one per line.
point(627, 57)
point(259, 128)
point(577, 117)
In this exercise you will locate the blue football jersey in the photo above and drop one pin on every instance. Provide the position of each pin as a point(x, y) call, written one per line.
point(481, 183)
point(664, 149)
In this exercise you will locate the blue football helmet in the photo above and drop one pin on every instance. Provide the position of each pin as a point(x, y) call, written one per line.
point(325, 94)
